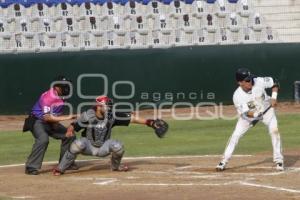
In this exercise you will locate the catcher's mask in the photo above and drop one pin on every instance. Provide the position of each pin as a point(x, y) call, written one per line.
point(105, 101)
point(64, 84)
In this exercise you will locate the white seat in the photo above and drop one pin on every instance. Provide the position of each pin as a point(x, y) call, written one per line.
point(38, 11)
point(155, 8)
point(110, 9)
point(256, 22)
point(68, 43)
point(244, 8)
point(269, 35)
point(201, 37)
point(199, 9)
point(223, 36)
point(24, 44)
point(47, 43)
point(88, 41)
point(135, 40)
point(113, 41)
point(132, 9)
point(187, 23)
point(140, 25)
point(211, 23)
point(5, 29)
point(221, 9)
point(47, 25)
point(116, 24)
point(24, 26)
point(163, 23)
point(159, 40)
point(233, 22)
point(176, 9)
point(63, 10)
point(7, 44)
point(69, 25)
point(15, 11)
point(95, 25)
point(247, 36)
point(178, 38)
point(87, 9)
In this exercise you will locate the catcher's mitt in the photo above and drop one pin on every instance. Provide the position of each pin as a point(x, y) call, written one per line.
point(160, 126)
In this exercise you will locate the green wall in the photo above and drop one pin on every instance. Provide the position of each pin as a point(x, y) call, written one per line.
point(186, 69)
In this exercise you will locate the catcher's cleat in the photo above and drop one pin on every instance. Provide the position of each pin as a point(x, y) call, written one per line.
point(31, 171)
point(121, 168)
point(220, 167)
point(279, 166)
point(56, 172)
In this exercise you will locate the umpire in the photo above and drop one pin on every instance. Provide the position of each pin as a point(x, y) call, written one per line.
point(44, 122)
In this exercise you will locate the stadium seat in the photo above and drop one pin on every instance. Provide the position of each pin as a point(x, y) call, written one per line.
point(211, 23)
point(47, 25)
point(233, 22)
point(14, 11)
point(199, 9)
point(25, 44)
point(39, 10)
point(223, 36)
point(63, 10)
point(110, 8)
point(176, 9)
point(244, 8)
point(163, 23)
point(159, 40)
point(140, 25)
point(134, 40)
point(86, 10)
point(87, 41)
point(117, 25)
point(247, 36)
point(68, 25)
point(47, 43)
point(67, 42)
point(201, 37)
point(155, 8)
point(7, 44)
point(5, 29)
point(256, 22)
point(132, 9)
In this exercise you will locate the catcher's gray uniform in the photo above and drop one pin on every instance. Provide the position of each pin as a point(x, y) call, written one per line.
point(96, 138)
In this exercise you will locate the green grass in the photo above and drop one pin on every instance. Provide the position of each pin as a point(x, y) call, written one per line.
point(184, 138)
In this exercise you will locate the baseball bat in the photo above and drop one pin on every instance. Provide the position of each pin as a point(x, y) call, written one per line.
point(254, 122)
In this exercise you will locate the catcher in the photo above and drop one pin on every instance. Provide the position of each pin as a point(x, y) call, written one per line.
point(97, 124)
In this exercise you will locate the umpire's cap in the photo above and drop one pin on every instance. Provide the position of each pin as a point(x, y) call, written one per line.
point(243, 74)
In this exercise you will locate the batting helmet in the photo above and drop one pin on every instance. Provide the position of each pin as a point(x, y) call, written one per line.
point(243, 74)
point(64, 83)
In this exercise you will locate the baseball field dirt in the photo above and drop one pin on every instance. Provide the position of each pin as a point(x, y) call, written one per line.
point(161, 178)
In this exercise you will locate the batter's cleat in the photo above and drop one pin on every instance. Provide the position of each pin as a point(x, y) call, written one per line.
point(279, 166)
point(73, 167)
point(31, 171)
point(220, 167)
point(121, 168)
point(56, 172)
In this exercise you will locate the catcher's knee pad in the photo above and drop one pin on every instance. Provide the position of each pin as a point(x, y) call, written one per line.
point(117, 147)
point(77, 146)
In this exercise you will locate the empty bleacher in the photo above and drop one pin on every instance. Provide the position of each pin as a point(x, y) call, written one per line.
point(91, 25)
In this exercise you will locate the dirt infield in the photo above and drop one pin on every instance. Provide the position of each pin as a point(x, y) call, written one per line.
point(161, 178)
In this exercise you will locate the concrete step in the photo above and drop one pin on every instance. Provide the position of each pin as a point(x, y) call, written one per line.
point(278, 9)
point(282, 16)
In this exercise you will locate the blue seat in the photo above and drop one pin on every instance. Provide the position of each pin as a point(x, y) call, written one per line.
point(6, 3)
point(167, 1)
point(189, 1)
point(211, 1)
point(233, 1)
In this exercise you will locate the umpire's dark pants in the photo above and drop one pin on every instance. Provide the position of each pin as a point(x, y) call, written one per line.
point(41, 132)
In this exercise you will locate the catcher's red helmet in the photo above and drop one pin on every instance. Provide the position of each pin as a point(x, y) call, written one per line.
point(104, 100)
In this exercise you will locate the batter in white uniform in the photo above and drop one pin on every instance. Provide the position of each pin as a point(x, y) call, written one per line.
point(251, 100)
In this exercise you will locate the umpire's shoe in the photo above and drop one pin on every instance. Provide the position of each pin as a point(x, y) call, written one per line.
point(121, 168)
point(31, 171)
point(220, 167)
